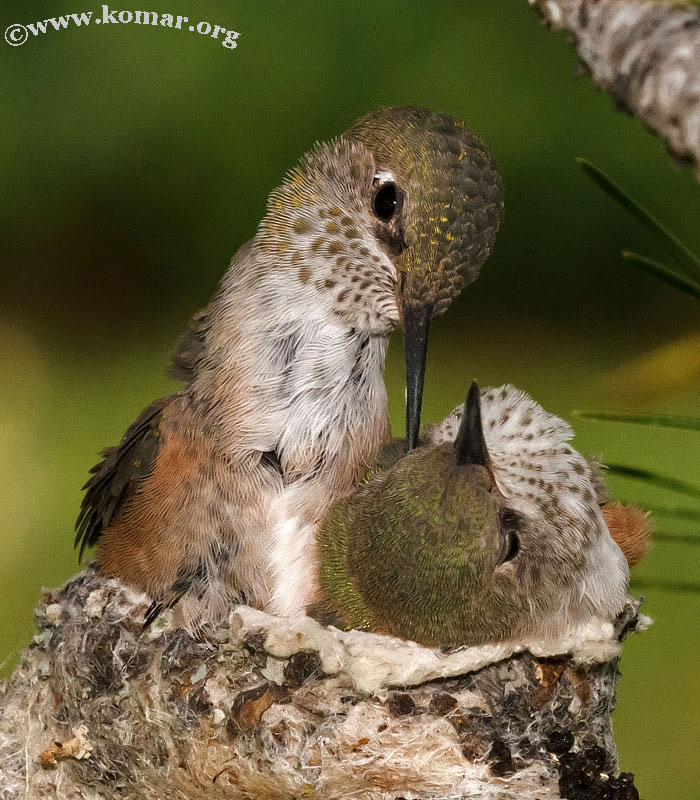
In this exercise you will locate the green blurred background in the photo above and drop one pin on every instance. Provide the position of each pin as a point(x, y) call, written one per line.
point(135, 160)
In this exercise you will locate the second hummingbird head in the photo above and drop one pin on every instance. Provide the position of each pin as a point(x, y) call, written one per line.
point(386, 224)
point(491, 531)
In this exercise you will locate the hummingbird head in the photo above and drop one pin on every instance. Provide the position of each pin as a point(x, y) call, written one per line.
point(388, 223)
point(438, 203)
point(482, 536)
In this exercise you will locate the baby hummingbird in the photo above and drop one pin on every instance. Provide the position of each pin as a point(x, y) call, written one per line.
point(491, 531)
point(213, 496)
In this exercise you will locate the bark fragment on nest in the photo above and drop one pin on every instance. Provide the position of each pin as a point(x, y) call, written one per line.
point(164, 716)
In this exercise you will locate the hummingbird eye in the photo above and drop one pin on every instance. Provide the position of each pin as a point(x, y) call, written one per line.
point(511, 547)
point(510, 523)
point(385, 201)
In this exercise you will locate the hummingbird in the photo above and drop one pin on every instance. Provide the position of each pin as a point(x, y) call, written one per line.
point(213, 496)
point(492, 530)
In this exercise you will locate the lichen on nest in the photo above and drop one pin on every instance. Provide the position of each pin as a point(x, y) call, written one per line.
point(262, 707)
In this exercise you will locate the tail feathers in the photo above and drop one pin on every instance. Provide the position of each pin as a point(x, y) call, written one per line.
point(631, 528)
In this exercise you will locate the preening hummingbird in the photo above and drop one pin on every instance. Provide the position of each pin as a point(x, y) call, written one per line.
point(213, 496)
point(492, 530)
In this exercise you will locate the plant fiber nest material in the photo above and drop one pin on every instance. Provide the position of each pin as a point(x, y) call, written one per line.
point(263, 707)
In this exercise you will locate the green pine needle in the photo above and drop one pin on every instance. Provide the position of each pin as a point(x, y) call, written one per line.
point(657, 420)
point(685, 257)
point(664, 272)
point(676, 512)
point(662, 481)
point(683, 587)
point(676, 538)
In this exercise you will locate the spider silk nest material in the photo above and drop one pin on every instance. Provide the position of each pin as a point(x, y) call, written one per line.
point(264, 707)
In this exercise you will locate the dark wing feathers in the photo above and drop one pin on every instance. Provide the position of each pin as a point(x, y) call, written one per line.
point(115, 479)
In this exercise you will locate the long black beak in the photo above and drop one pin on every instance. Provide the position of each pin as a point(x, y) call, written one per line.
point(470, 444)
point(416, 322)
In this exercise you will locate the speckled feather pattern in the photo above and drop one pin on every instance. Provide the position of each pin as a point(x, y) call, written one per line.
point(543, 476)
point(216, 500)
point(420, 550)
point(456, 215)
point(533, 463)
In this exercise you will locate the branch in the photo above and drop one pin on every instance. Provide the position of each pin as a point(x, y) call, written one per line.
point(647, 55)
point(269, 707)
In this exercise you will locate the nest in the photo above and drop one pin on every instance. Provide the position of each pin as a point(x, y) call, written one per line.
point(264, 707)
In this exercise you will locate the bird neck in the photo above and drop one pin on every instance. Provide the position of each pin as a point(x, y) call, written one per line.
point(280, 373)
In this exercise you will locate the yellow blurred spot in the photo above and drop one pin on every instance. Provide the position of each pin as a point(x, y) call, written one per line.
point(665, 371)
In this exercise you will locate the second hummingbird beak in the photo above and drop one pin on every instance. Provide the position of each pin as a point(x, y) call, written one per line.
point(470, 443)
point(416, 323)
